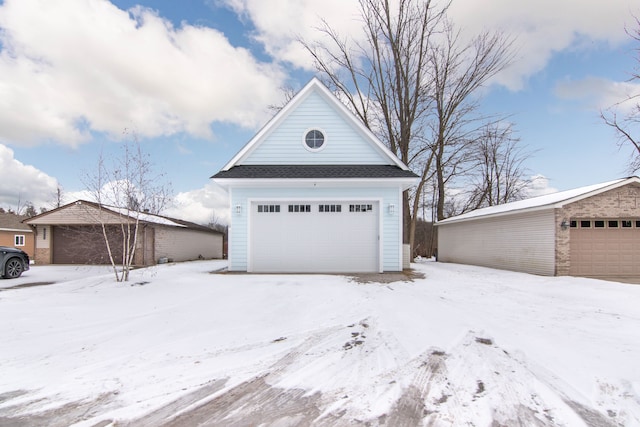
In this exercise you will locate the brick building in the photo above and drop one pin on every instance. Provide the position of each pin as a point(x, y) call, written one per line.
point(591, 231)
point(14, 233)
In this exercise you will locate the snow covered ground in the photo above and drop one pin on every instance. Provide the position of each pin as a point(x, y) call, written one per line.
point(180, 345)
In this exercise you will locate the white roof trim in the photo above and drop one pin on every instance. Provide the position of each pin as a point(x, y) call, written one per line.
point(17, 230)
point(314, 84)
point(547, 201)
point(143, 216)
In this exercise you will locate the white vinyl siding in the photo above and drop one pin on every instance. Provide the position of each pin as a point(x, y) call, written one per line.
point(43, 236)
point(520, 242)
point(344, 144)
point(186, 245)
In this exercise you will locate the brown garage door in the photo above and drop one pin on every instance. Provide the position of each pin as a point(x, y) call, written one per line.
point(84, 245)
point(605, 247)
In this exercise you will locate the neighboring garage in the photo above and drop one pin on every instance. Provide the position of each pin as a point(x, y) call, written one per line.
point(591, 231)
point(605, 247)
point(83, 245)
point(325, 236)
point(73, 234)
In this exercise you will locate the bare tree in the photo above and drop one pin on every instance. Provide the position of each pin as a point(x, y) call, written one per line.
point(410, 83)
point(627, 124)
point(217, 223)
point(458, 70)
point(58, 197)
point(383, 81)
point(127, 186)
point(497, 173)
point(288, 92)
point(29, 210)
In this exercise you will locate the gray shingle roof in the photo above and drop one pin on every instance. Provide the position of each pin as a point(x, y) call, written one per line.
point(315, 171)
point(11, 221)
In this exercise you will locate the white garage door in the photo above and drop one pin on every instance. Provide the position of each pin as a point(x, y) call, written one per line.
point(318, 237)
point(605, 247)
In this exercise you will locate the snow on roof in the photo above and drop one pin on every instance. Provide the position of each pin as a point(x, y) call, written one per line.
point(146, 217)
point(547, 201)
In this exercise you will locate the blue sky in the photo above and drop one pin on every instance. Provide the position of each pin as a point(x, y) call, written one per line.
point(194, 80)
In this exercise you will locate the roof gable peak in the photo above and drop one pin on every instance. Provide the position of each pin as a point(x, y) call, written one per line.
point(315, 86)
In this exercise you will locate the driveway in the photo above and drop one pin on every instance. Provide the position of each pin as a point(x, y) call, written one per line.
point(449, 345)
point(39, 275)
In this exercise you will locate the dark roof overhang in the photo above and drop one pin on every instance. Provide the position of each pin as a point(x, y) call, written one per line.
point(314, 172)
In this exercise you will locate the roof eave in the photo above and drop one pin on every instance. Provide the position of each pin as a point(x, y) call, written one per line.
point(403, 182)
point(554, 205)
point(621, 183)
point(454, 220)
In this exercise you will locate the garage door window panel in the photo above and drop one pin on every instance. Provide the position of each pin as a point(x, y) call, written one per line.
point(585, 224)
point(330, 208)
point(268, 208)
point(360, 208)
point(300, 208)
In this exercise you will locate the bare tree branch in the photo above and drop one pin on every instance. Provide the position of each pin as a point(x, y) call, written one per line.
point(129, 187)
point(627, 127)
point(413, 82)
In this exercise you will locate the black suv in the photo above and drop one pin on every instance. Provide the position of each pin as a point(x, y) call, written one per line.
point(12, 262)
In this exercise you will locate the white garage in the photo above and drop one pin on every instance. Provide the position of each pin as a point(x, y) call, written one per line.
point(314, 191)
point(305, 236)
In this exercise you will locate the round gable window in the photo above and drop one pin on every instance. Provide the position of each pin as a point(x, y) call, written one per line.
point(314, 139)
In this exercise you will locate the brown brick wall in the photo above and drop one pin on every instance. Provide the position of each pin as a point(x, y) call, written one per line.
point(620, 203)
point(43, 256)
point(7, 238)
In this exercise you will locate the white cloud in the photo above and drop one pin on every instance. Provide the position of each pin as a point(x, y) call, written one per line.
point(540, 28)
point(206, 204)
point(20, 183)
point(279, 23)
point(73, 66)
point(546, 26)
point(600, 93)
point(539, 186)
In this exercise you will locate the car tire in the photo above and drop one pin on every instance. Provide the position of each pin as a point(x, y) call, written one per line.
point(13, 268)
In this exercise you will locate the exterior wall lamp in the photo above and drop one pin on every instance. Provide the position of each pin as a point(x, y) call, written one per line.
point(564, 224)
point(238, 209)
point(392, 209)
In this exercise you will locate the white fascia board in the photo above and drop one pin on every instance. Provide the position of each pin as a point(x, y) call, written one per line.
point(349, 116)
point(17, 230)
point(404, 183)
point(280, 115)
